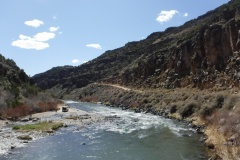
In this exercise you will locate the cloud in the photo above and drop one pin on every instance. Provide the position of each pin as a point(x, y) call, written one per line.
point(75, 61)
point(37, 42)
point(54, 17)
point(84, 61)
point(34, 23)
point(44, 36)
point(53, 29)
point(96, 46)
point(166, 16)
point(185, 15)
point(29, 43)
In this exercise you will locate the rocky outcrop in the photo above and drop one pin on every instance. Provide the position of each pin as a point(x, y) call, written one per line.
point(202, 53)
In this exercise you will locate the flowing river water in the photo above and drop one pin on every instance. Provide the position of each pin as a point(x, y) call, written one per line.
point(125, 136)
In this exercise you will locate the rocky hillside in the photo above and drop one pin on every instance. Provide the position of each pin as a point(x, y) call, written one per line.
point(18, 93)
point(14, 83)
point(190, 72)
point(202, 53)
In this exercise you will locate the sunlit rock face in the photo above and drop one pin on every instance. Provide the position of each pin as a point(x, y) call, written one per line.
point(202, 53)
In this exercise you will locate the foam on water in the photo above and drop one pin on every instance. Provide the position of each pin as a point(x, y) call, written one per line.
point(124, 135)
point(125, 122)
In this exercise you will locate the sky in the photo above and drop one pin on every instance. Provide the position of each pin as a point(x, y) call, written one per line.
point(41, 34)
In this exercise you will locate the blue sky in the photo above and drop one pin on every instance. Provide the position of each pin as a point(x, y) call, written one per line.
point(41, 34)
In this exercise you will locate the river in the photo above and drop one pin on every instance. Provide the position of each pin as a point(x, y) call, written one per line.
point(125, 136)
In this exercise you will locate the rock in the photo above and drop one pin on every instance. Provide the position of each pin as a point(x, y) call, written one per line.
point(24, 137)
point(10, 118)
point(210, 145)
point(35, 119)
point(111, 117)
point(49, 131)
point(12, 147)
point(200, 130)
point(25, 120)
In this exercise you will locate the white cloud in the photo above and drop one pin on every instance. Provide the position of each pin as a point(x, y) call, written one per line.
point(44, 36)
point(29, 43)
point(96, 46)
point(75, 61)
point(34, 23)
point(185, 15)
point(54, 17)
point(53, 29)
point(37, 42)
point(166, 16)
point(84, 61)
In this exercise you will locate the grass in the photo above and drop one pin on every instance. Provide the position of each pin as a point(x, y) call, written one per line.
point(42, 126)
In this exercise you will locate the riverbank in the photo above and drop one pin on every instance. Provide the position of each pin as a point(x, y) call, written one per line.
point(216, 110)
point(9, 138)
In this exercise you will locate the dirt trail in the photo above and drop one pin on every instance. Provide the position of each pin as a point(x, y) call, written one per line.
point(121, 87)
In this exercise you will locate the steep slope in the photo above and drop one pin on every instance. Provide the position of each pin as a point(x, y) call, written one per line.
point(18, 93)
point(191, 72)
point(202, 53)
point(14, 83)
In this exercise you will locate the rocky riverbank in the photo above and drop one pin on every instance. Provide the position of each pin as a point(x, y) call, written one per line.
point(213, 112)
point(10, 139)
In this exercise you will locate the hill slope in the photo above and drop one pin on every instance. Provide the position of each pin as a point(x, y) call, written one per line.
point(191, 72)
point(202, 53)
point(19, 95)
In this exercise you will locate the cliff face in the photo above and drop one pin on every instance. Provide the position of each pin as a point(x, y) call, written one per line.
point(202, 53)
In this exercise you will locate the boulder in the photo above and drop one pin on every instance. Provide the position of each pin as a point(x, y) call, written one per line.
point(24, 137)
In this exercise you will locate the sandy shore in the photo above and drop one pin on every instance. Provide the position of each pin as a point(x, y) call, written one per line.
point(76, 117)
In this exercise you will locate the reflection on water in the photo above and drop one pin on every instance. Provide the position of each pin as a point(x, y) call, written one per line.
point(127, 136)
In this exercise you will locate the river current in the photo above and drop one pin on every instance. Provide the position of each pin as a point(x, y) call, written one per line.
point(126, 136)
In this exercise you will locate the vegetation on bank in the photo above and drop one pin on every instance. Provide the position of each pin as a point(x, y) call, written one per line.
point(19, 96)
point(14, 113)
point(42, 126)
point(216, 108)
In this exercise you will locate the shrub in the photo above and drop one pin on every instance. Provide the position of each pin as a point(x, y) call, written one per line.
point(219, 101)
point(231, 102)
point(173, 108)
point(205, 111)
point(188, 110)
point(47, 106)
point(134, 104)
point(17, 112)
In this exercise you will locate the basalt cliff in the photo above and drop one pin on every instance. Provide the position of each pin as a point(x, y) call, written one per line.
point(202, 53)
point(190, 72)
